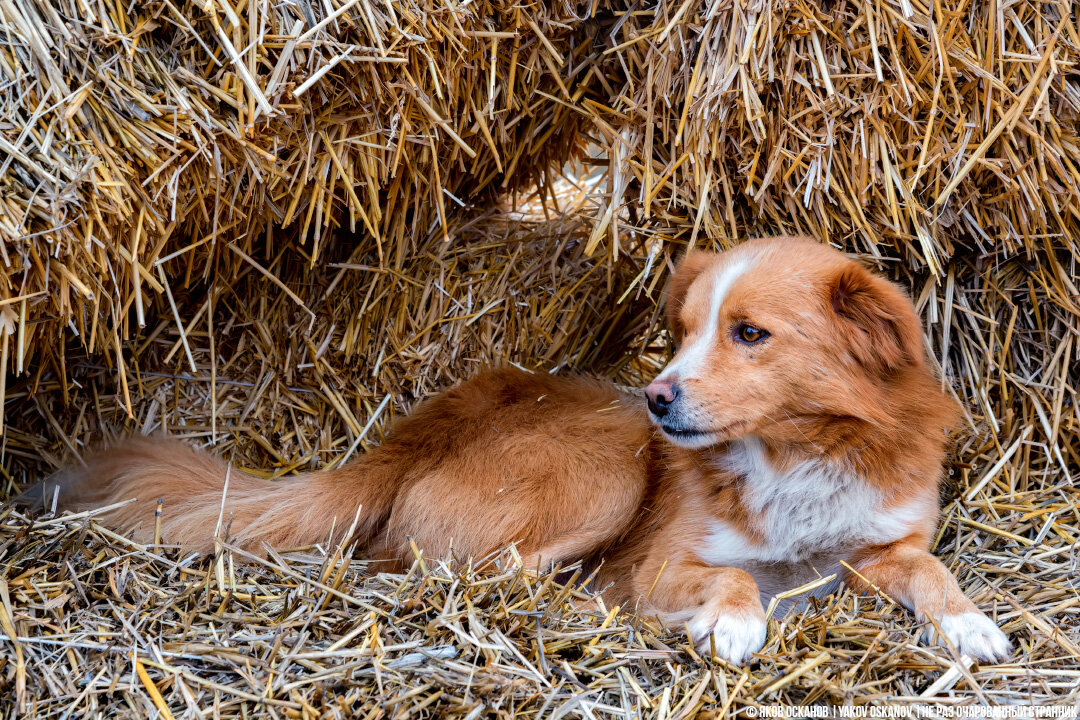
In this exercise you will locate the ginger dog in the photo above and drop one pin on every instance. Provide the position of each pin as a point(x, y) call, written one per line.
point(797, 432)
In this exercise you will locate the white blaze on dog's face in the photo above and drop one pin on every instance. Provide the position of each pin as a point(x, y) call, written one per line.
point(775, 337)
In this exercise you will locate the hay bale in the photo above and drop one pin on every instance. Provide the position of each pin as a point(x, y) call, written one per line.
point(198, 130)
point(896, 128)
point(176, 137)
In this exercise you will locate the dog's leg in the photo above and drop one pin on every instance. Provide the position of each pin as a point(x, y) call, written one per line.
point(721, 606)
point(574, 546)
point(914, 577)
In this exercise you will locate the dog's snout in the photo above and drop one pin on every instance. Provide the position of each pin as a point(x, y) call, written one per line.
point(661, 394)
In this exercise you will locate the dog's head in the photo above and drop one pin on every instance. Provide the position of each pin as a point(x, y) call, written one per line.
point(777, 334)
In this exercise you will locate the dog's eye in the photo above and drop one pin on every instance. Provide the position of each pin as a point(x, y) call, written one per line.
point(748, 334)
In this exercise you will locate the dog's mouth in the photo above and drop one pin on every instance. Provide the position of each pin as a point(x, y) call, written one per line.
point(682, 434)
point(696, 437)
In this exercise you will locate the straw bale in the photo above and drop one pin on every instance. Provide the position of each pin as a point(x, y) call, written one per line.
point(903, 128)
point(173, 136)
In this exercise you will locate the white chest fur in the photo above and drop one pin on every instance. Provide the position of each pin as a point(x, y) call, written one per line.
point(813, 514)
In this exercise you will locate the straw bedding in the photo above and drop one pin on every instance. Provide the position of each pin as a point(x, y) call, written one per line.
point(296, 385)
point(290, 345)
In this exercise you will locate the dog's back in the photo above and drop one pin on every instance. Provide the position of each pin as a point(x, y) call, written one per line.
point(556, 464)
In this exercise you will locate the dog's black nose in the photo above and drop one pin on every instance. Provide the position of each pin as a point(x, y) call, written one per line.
point(661, 394)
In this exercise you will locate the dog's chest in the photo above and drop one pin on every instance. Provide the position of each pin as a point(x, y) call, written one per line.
point(806, 520)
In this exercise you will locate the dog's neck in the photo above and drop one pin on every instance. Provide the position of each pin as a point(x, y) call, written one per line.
point(891, 433)
point(883, 455)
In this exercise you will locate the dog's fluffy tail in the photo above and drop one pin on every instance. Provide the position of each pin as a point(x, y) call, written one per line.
point(293, 512)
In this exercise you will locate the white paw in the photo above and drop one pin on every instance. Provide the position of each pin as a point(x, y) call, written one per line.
point(736, 637)
point(974, 634)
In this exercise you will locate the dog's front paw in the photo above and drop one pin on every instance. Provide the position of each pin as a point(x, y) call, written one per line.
point(735, 636)
point(974, 634)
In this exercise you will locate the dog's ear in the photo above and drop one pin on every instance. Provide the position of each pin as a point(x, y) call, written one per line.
point(692, 265)
point(877, 320)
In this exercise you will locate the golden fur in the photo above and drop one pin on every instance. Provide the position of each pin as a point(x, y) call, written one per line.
point(751, 462)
